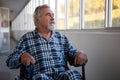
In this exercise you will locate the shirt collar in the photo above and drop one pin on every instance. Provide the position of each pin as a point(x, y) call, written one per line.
point(37, 33)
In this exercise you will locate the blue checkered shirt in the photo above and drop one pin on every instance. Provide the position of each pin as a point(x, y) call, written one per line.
point(50, 55)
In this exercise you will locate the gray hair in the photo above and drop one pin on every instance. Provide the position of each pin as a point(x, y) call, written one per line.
point(37, 12)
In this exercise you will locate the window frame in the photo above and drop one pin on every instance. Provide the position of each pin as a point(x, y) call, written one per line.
point(107, 23)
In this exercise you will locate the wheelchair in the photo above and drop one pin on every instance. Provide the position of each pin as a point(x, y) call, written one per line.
point(22, 77)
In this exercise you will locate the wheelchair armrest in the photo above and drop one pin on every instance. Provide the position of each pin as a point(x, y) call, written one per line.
point(83, 72)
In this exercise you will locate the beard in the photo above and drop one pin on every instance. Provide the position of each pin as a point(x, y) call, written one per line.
point(51, 27)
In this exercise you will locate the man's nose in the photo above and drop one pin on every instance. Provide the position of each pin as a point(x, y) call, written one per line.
point(52, 17)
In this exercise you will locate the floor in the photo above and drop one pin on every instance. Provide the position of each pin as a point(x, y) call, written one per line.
point(5, 72)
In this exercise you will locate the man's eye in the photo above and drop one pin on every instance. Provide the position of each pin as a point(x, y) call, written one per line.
point(51, 15)
point(48, 14)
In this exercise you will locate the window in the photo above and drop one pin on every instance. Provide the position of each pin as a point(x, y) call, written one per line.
point(4, 30)
point(61, 14)
point(46, 1)
point(94, 14)
point(116, 13)
point(76, 14)
point(73, 14)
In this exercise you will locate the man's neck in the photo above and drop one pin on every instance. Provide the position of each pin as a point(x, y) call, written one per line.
point(45, 33)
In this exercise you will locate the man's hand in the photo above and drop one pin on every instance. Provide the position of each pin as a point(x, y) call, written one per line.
point(80, 59)
point(27, 59)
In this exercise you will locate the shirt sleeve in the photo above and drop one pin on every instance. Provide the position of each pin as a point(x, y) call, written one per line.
point(13, 60)
point(70, 51)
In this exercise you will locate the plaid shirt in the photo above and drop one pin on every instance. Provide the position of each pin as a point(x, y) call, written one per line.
point(50, 55)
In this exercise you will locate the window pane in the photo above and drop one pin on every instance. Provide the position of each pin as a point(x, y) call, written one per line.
point(61, 14)
point(116, 13)
point(52, 5)
point(46, 2)
point(73, 12)
point(4, 30)
point(94, 14)
point(40, 2)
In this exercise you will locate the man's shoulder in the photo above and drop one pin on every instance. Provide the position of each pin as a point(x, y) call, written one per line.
point(59, 34)
point(29, 34)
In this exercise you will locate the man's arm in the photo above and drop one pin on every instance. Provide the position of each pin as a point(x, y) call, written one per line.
point(75, 57)
point(13, 60)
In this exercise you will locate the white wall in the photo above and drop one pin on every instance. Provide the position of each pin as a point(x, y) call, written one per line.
point(102, 49)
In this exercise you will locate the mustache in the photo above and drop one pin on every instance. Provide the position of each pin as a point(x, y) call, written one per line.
point(53, 22)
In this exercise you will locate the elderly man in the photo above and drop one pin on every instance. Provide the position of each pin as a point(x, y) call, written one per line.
point(46, 51)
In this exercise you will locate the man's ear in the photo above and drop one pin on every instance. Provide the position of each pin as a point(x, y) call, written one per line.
point(37, 20)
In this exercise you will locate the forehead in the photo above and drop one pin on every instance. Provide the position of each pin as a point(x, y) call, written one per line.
point(46, 10)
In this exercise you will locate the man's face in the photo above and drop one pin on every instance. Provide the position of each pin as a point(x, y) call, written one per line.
point(46, 20)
